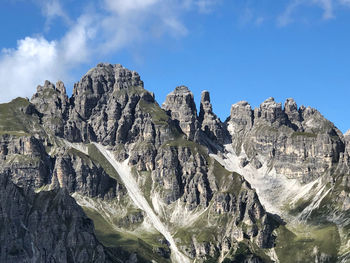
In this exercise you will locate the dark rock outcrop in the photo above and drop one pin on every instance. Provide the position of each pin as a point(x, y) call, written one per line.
point(210, 124)
point(44, 227)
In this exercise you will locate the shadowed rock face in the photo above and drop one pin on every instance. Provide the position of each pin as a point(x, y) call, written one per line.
point(210, 124)
point(44, 227)
point(168, 149)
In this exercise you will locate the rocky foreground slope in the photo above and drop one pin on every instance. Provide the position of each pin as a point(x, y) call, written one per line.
point(107, 175)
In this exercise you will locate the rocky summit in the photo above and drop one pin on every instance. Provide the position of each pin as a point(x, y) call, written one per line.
point(108, 175)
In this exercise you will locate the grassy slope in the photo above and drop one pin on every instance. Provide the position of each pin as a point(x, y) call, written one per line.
point(12, 118)
point(113, 238)
point(301, 243)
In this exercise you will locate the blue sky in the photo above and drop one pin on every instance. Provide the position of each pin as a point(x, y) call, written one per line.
point(238, 50)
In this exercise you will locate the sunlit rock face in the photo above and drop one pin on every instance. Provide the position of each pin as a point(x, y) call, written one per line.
point(206, 182)
point(298, 142)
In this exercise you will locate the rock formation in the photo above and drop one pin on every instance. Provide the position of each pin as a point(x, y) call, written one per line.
point(182, 162)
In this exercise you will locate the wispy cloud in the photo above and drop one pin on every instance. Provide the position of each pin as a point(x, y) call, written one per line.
point(328, 7)
point(249, 16)
point(52, 9)
point(97, 30)
point(112, 26)
point(345, 2)
point(206, 6)
point(286, 18)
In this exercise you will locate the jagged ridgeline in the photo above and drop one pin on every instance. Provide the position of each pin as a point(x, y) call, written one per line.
point(108, 175)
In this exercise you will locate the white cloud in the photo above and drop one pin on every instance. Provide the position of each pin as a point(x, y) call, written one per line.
point(119, 24)
point(36, 59)
point(21, 69)
point(74, 46)
point(134, 21)
point(52, 9)
point(286, 18)
point(123, 7)
point(345, 2)
point(327, 6)
point(289, 16)
point(206, 6)
point(250, 17)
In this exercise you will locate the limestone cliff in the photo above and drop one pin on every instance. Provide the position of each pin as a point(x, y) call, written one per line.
point(224, 191)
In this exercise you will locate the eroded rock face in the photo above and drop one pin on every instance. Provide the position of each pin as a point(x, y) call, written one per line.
point(347, 140)
point(300, 142)
point(270, 112)
point(110, 106)
point(44, 227)
point(291, 110)
point(180, 105)
point(210, 124)
point(98, 83)
point(77, 173)
point(168, 150)
point(52, 104)
point(26, 157)
point(241, 117)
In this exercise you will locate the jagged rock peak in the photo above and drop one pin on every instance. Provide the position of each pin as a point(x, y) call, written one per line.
point(106, 77)
point(48, 85)
point(269, 102)
point(241, 116)
point(347, 134)
point(271, 111)
point(291, 109)
point(209, 122)
point(347, 140)
point(60, 87)
point(205, 103)
point(290, 105)
point(53, 104)
point(241, 103)
point(205, 96)
point(98, 85)
point(182, 90)
point(180, 106)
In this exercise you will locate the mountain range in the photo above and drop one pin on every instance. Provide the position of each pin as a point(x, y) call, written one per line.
point(109, 175)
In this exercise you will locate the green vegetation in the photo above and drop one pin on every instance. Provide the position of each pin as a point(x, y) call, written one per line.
point(158, 115)
point(302, 244)
point(228, 182)
point(135, 90)
point(143, 146)
point(182, 142)
point(147, 184)
point(242, 252)
point(185, 235)
point(299, 206)
point(80, 154)
point(12, 117)
point(124, 222)
point(45, 187)
point(304, 134)
point(261, 129)
point(23, 159)
point(98, 157)
point(113, 238)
